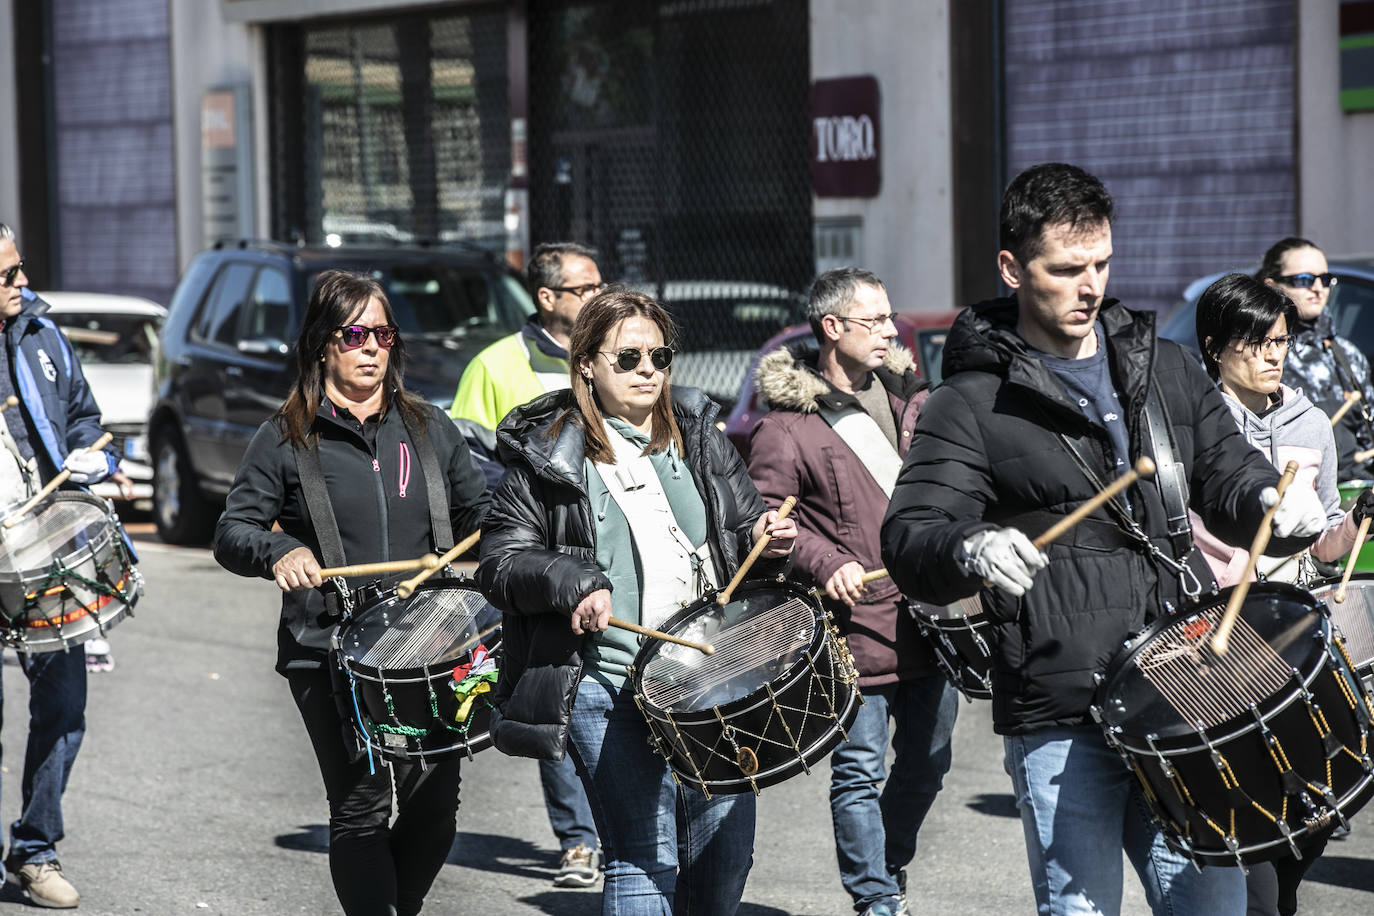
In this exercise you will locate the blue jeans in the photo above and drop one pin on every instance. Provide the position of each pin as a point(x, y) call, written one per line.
point(875, 831)
point(1074, 837)
point(57, 723)
point(566, 801)
point(644, 818)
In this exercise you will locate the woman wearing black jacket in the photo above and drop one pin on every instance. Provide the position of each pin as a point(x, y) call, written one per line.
point(350, 407)
point(617, 476)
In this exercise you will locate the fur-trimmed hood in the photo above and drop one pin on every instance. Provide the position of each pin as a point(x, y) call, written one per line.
point(787, 381)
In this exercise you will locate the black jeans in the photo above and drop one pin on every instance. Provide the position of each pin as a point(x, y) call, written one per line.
point(379, 869)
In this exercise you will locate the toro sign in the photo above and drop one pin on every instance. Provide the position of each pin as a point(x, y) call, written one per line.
point(845, 139)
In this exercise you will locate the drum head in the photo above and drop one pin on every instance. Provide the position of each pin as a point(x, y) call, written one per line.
point(58, 527)
point(437, 626)
point(1170, 681)
point(1354, 616)
point(764, 631)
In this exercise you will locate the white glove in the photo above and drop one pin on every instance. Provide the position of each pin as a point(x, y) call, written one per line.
point(1301, 513)
point(1005, 558)
point(87, 467)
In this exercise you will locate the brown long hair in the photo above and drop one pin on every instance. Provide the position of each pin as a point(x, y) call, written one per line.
point(598, 318)
point(339, 297)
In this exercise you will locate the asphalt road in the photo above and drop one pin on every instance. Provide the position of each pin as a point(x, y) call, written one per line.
point(196, 793)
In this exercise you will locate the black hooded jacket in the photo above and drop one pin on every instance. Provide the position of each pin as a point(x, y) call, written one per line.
point(986, 454)
point(379, 499)
point(539, 554)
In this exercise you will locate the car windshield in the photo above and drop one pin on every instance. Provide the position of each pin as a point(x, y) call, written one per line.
point(445, 300)
point(109, 339)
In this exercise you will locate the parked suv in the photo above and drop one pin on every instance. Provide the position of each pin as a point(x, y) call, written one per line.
point(226, 358)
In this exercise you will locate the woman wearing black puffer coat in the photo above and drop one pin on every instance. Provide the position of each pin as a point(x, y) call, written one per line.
point(619, 476)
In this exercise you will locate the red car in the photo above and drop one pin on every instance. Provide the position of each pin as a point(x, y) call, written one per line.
point(923, 333)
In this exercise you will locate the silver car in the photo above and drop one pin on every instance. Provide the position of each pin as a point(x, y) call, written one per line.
point(115, 338)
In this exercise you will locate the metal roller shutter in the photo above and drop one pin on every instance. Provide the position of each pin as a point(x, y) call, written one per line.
point(1184, 109)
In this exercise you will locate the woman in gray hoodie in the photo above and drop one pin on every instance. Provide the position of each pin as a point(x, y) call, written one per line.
point(1244, 330)
point(1243, 327)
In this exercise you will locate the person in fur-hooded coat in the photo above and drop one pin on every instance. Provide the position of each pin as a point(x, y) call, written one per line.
point(841, 423)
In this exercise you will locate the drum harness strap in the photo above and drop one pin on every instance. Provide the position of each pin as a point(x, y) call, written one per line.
point(1173, 490)
point(338, 601)
point(1348, 382)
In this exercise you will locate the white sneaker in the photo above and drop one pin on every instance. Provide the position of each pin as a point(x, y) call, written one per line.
point(98, 657)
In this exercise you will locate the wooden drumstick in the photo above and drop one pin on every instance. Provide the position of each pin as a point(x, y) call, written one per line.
point(408, 586)
point(703, 647)
point(1350, 400)
point(872, 575)
point(57, 481)
point(1362, 457)
point(1221, 639)
point(428, 561)
point(724, 597)
point(10, 401)
point(1350, 561)
point(1144, 467)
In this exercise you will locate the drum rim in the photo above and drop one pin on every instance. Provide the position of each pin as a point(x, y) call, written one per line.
point(406, 673)
point(819, 634)
point(1128, 653)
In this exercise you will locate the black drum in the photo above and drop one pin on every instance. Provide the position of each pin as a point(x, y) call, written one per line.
point(420, 670)
point(1245, 754)
point(1354, 618)
point(776, 697)
point(960, 635)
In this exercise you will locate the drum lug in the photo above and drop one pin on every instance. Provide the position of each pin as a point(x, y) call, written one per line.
point(1096, 712)
point(1164, 765)
point(1234, 847)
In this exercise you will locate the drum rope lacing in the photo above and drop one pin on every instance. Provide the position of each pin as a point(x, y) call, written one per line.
point(1180, 667)
point(55, 581)
point(445, 617)
point(839, 668)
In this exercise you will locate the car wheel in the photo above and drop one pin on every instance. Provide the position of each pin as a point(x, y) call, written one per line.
point(182, 514)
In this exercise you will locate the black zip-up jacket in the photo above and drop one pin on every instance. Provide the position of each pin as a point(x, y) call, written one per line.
point(380, 503)
point(986, 454)
point(539, 554)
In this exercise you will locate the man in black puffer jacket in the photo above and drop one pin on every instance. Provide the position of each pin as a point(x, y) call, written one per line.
point(1042, 390)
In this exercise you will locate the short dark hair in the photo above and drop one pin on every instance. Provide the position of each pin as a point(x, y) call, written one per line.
point(1271, 268)
point(1050, 194)
point(545, 268)
point(834, 291)
point(1237, 305)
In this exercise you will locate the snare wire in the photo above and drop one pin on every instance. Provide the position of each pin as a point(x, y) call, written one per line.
point(765, 637)
point(1204, 688)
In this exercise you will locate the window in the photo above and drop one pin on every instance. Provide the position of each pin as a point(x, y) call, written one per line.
point(269, 309)
point(218, 321)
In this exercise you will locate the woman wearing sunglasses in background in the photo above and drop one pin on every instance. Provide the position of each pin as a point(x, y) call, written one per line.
point(621, 498)
point(1320, 364)
point(350, 425)
point(1245, 330)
